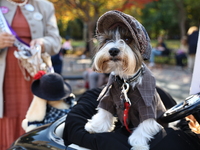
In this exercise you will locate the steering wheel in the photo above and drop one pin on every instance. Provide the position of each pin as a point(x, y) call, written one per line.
point(190, 105)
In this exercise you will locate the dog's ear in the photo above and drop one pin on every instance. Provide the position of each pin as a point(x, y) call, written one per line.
point(95, 69)
point(37, 109)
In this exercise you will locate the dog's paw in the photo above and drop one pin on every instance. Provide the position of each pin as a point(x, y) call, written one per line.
point(103, 121)
point(92, 127)
point(24, 124)
point(140, 147)
point(89, 128)
point(31, 127)
point(138, 142)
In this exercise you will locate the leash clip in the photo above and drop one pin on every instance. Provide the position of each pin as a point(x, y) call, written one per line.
point(125, 88)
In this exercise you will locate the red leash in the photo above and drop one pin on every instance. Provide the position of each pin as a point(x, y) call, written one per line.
point(126, 110)
point(127, 104)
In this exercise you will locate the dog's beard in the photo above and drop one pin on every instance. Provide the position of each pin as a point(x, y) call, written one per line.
point(123, 63)
point(126, 60)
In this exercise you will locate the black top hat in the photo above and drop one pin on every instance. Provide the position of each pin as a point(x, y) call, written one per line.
point(51, 87)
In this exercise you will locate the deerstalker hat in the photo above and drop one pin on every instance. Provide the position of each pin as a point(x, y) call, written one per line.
point(51, 87)
point(110, 18)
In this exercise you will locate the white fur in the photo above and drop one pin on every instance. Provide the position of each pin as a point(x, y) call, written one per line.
point(24, 124)
point(30, 128)
point(59, 104)
point(143, 134)
point(126, 56)
point(37, 109)
point(103, 121)
point(26, 127)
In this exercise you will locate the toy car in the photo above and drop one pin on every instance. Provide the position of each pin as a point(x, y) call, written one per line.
point(44, 138)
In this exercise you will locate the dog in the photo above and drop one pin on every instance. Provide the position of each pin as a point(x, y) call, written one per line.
point(130, 93)
point(52, 99)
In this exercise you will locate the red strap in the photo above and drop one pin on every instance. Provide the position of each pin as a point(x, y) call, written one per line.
point(126, 110)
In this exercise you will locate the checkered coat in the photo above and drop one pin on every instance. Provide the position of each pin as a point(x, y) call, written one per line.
point(52, 114)
point(144, 98)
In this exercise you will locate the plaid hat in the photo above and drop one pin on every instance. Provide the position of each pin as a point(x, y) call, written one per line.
point(110, 18)
point(51, 87)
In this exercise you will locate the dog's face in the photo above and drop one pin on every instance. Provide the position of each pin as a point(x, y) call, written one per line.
point(117, 53)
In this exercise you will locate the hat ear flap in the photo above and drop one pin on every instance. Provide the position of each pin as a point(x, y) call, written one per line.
point(37, 109)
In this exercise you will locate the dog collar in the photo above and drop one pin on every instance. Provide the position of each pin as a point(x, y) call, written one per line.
point(135, 77)
point(138, 73)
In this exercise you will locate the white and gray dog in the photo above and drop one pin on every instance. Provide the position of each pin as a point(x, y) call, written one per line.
point(130, 93)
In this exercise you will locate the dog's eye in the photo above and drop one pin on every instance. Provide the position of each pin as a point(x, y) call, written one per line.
point(128, 40)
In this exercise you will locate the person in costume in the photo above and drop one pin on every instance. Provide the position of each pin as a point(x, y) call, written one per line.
point(34, 23)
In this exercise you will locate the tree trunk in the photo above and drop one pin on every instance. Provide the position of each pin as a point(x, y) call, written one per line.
point(181, 16)
point(84, 31)
point(91, 27)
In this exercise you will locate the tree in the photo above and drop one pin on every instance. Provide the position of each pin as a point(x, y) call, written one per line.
point(63, 15)
point(192, 8)
point(158, 18)
point(90, 10)
point(173, 17)
point(181, 16)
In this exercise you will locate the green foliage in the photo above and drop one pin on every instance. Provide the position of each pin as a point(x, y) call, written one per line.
point(163, 17)
point(193, 13)
point(165, 60)
point(75, 29)
point(62, 27)
point(158, 18)
point(78, 43)
point(172, 44)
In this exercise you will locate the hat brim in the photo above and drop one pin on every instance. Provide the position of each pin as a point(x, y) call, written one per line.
point(38, 91)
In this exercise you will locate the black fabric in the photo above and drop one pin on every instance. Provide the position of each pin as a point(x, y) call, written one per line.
point(166, 98)
point(192, 42)
point(74, 132)
point(174, 139)
point(57, 62)
point(181, 59)
point(166, 52)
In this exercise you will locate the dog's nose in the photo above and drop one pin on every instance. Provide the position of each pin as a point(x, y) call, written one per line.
point(114, 51)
